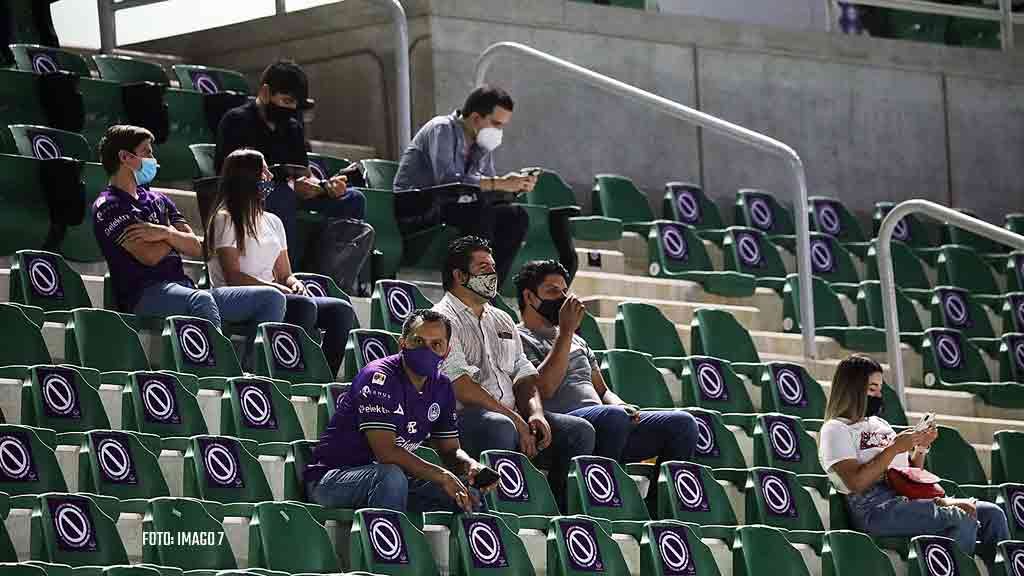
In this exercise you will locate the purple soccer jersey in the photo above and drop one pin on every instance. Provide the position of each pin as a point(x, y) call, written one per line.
point(383, 398)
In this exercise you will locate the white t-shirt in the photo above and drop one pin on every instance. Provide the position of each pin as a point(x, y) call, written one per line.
point(259, 256)
point(838, 440)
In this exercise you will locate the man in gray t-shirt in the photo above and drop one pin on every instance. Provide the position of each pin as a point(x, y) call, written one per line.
point(570, 380)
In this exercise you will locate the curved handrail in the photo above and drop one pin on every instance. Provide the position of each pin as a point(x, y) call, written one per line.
point(887, 277)
point(703, 120)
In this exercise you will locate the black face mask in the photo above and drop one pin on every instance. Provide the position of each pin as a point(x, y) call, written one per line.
point(875, 406)
point(279, 114)
point(549, 309)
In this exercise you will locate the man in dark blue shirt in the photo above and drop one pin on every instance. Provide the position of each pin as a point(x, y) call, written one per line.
point(366, 455)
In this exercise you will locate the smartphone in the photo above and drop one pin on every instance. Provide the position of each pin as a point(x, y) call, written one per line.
point(926, 422)
point(531, 171)
point(485, 478)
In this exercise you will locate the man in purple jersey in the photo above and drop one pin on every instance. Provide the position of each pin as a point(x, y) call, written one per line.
point(366, 455)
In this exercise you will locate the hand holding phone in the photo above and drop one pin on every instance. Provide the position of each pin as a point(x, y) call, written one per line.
point(485, 478)
point(927, 421)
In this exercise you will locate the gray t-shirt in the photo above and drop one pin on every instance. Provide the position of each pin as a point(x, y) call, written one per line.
point(577, 389)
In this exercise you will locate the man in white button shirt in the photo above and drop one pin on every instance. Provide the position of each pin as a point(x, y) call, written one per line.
point(495, 384)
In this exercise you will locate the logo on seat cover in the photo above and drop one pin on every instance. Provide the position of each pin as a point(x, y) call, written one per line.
point(485, 545)
point(223, 466)
point(45, 147)
point(822, 259)
point(72, 524)
point(902, 230)
point(710, 381)
point(385, 535)
point(400, 304)
point(314, 287)
point(939, 559)
point(318, 170)
point(580, 539)
point(60, 393)
point(16, 464)
point(285, 348)
point(674, 551)
point(195, 346)
point(674, 243)
point(159, 401)
point(782, 437)
point(775, 490)
point(1013, 555)
point(748, 246)
point(828, 218)
point(43, 63)
point(43, 277)
point(511, 480)
point(373, 349)
point(687, 206)
point(761, 215)
point(1015, 503)
point(790, 387)
point(204, 82)
point(256, 406)
point(955, 309)
point(599, 479)
point(947, 349)
point(706, 444)
point(114, 457)
point(686, 479)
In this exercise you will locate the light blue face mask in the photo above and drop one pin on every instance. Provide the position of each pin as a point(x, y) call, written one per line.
point(146, 172)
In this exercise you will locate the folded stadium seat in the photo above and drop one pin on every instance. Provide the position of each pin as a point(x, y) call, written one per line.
point(114, 463)
point(1013, 312)
point(833, 263)
point(952, 458)
point(908, 271)
point(484, 544)
point(45, 143)
point(643, 328)
point(22, 342)
point(776, 497)
point(635, 379)
point(25, 206)
point(44, 279)
point(319, 285)
point(203, 160)
point(158, 403)
point(222, 469)
point(259, 411)
point(711, 384)
point(328, 403)
point(870, 313)
point(689, 492)
point(59, 398)
point(851, 553)
point(279, 529)
point(387, 542)
point(717, 447)
point(687, 204)
point(537, 243)
point(600, 488)
point(1015, 222)
point(387, 240)
point(962, 267)
point(952, 362)
point(920, 236)
point(325, 166)
point(39, 472)
point(766, 551)
point(782, 442)
point(839, 519)
point(829, 317)
point(180, 515)
point(936, 554)
point(102, 340)
point(675, 251)
point(1009, 559)
point(759, 209)
point(297, 457)
point(789, 389)
point(210, 80)
point(718, 334)
point(522, 489)
point(392, 302)
point(580, 545)
point(747, 250)
point(96, 541)
point(1015, 271)
point(616, 196)
point(553, 192)
point(991, 251)
point(830, 216)
point(365, 346)
point(286, 352)
point(669, 547)
point(1008, 457)
point(195, 346)
point(20, 91)
point(955, 308)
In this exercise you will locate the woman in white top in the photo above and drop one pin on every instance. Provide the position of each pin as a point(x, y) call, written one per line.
point(249, 248)
point(856, 447)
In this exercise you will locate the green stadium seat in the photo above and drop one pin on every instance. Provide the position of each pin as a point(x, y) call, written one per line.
point(579, 545)
point(483, 544)
point(616, 196)
point(328, 402)
point(158, 403)
point(936, 554)
point(747, 250)
point(1013, 312)
point(387, 242)
point(222, 469)
point(1010, 497)
point(952, 458)
point(1007, 459)
point(789, 389)
point(830, 216)
point(670, 547)
point(1015, 222)
point(537, 244)
point(1015, 271)
point(93, 540)
point(839, 519)
point(127, 70)
point(39, 472)
point(782, 442)
point(279, 529)
point(522, 489)
point(829, 317)
point(299, 454)
point(387, 543)
point(25, 207)
point(46, 59)
point(325, 166)
point(833, 263)
point(79, 244)
point(600, 488)
point(760, 210)
point(286, 352)
point(952, 362)
point(689, 492)
point(590, 332)
point(177, 515)
point(203, 160)
point(102, 340)
point(775, 497)
point(260, 412)
point(379, 174)
point(44, 279)
point(636, 380)
point(195, 346)
point(45, 143)
point(1009, 559)
point(13, 568)
point(712, 384)
point(365, 346)
point(717, 447)
point(60, 399)
point(686, 203)
point(908, 270)
point(553, 192)
point(956, 309)
point(915, 233)
point(115, 463)
point(850, 553)
point(718, 334)
point(990, 250)
point(643, 328)
point(392, 302)
point(210, 80)
point(766, 551)
point(22, 342)
point(962, 267)
point(870, 312)
point(675, 251)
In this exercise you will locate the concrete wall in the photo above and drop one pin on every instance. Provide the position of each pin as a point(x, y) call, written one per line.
point(873, 119)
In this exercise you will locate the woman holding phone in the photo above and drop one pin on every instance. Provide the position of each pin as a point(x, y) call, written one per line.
point(865, 459)
point(247, 246)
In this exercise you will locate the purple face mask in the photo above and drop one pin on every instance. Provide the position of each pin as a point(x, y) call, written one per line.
point(422, 360)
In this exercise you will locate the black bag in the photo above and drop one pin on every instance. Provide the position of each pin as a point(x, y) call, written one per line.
point(145, 106)
point(61, 100)
point(341, 249)
point(62, 183)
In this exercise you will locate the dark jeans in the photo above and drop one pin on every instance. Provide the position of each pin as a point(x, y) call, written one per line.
point(381, 486)
point(284, 202)
point(662, 434)
point(570, 437)
point(333, 315)
point(481, 219)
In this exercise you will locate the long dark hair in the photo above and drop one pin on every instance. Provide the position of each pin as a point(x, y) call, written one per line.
point(848, 396)
point(238, 195)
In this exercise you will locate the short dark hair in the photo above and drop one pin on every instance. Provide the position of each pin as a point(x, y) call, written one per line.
point(427, 315)
point(286, 77)
point(532, 275)
point(117, 138)
point(483, 99)
point(460, 254)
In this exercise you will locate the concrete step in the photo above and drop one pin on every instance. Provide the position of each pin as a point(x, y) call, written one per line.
point(678, 312)
point(634, 247)
point(596, 260)
point(975, 430)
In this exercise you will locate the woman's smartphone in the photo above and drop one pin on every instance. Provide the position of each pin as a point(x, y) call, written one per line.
point(926, 422)
point(485, 478)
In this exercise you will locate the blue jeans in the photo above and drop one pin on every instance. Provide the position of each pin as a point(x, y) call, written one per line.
point(662, 434)
point(880, 511)
point(570, 437)
point(284, 202)
point(241, 304)
point(333, 315)
point(381, 486)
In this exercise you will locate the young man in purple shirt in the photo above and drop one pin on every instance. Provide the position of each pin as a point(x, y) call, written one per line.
point(143, 237)
point(366, 455)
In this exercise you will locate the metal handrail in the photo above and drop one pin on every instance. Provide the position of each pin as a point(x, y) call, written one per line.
point(1003, 13)
point(703, 120)
point(887, 276)
point(400, 27)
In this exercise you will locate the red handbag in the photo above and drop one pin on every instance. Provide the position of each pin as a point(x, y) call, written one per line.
point(914, 483)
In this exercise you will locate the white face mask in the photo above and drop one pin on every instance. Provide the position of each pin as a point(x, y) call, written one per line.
point(489, 138)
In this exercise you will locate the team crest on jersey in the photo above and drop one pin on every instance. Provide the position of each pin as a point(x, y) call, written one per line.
point(379, 377)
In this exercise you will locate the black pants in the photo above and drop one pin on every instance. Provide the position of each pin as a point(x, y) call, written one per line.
point(332, 315)
point(561, 235)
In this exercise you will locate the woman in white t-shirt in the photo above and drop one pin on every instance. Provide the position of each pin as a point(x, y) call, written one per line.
point(249, 247)
point(856, 447)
